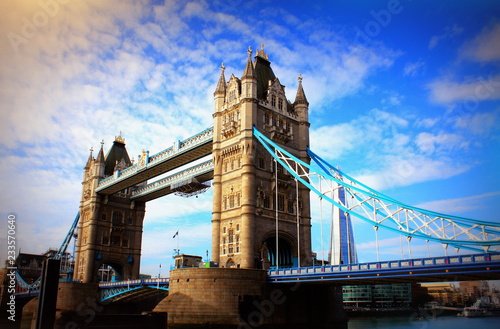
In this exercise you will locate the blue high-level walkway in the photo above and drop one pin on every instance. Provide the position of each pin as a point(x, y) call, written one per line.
point(183, 152)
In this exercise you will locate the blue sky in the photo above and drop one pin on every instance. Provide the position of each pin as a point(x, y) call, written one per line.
point(404, 96)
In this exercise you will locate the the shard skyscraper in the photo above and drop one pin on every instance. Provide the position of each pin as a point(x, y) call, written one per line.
point(342, 246)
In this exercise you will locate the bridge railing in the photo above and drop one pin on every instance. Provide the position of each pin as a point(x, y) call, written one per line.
point(377, 266)
point(138, 282)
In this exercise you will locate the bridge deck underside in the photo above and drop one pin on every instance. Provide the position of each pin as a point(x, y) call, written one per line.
point(159, 168)
point(167, 189)
point(462, 272)
point(138, 294)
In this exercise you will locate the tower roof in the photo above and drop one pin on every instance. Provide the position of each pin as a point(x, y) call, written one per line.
point(301, 96)
point(221, 86)
point(116, 153)
point(89, 161)
point(100, 155)
point(249, 72)
point(264, 73)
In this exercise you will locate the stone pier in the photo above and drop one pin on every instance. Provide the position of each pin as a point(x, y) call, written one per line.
point(243, 298)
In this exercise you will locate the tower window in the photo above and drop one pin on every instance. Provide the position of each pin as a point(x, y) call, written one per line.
point(115, 240)
point(262, 163)
point(231, 201)
point(237, 227)
point(267, 203)
point(224, 230)
point(117, 217)
point(281, 202)
point(280, 169)
point(238, 200)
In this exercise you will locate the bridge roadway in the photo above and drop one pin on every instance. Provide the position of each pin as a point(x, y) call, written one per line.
point(436, 269)
point(445, 268)
point(183, 152)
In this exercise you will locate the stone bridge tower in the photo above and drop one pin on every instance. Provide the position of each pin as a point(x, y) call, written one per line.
point(244, 203)
point(110, 227)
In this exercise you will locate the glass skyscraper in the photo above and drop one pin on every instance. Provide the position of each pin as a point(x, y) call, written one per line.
point(342, 245)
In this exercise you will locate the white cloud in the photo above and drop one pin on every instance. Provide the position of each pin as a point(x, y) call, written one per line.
point(377, 127)
point(393, 99)
point(428, 143)
point(408, 169)
point(413, 69)
point(485, 47)
point(426, 122)
point(449, 32)
point(459, 205)
point(471, 92)
point(481, 124)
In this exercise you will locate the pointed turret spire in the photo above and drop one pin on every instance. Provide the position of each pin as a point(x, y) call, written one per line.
point(100, 155)
point(301, 96)
point(89, 161)
point(249, 72)
point(221, 86)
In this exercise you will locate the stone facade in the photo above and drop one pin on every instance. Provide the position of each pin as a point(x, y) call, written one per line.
point(209, 295)
point(245, 175)
point(110, 227)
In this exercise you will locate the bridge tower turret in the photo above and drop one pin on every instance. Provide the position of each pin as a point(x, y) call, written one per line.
point(245, 175)
point(110, 226)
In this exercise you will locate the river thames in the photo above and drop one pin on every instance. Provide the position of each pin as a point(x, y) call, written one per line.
point(451, 322)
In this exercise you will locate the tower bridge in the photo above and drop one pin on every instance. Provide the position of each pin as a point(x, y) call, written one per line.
point(262, 173)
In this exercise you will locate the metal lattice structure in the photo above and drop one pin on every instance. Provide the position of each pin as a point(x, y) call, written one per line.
point(382, 211)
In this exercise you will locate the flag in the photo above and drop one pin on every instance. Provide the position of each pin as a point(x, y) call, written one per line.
point(176, 234)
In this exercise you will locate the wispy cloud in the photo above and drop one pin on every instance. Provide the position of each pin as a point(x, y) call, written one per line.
point(485, 47)
point(459, 205)
point(445, 90)
point(449, 32)
point(414, 68)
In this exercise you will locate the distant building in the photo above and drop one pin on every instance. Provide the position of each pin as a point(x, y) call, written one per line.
point(382, 296)
point(470, 291)
point(182, 261)
point(342, 246)
point(445, 293)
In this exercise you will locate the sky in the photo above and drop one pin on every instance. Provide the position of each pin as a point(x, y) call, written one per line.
point(404, 96)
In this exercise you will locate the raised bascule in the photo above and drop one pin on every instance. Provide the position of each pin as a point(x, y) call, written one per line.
point(263, 175)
